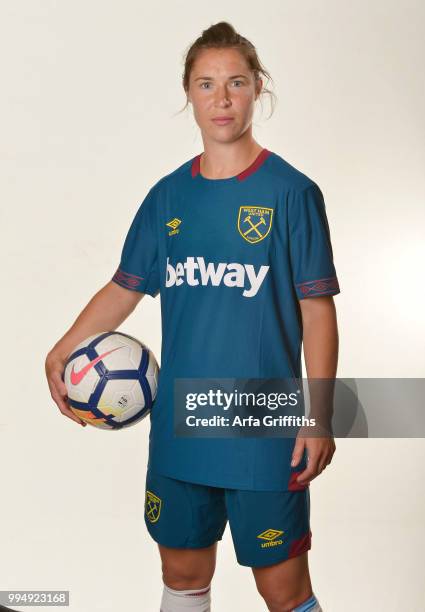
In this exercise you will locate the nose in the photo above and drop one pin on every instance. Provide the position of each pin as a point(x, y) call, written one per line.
point(222, 97)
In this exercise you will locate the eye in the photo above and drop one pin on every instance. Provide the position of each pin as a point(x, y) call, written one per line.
point(241, 82)
point(204, 83)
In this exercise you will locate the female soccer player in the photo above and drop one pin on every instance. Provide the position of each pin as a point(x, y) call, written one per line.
point(237, 243)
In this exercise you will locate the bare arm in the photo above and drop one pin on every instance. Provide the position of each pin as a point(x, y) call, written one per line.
point(320, 342)
point(320, 336)
point(106, 310)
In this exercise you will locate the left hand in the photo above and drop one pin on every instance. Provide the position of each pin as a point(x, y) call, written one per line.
point(319, 454)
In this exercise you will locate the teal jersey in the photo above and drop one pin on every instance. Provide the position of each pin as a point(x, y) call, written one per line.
point(230, 259)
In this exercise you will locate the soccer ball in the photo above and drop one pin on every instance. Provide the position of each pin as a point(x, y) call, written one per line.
point(111, 379)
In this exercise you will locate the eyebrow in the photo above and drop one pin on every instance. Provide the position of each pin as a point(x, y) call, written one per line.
point(208, 78)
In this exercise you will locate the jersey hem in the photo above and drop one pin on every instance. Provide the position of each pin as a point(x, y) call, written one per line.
point(219, 484)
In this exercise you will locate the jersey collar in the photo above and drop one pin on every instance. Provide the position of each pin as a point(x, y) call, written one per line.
point(258, 161)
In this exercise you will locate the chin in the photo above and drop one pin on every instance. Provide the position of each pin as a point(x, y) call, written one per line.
point(223, 136)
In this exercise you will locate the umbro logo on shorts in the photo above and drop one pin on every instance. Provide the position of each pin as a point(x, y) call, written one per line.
point(194, 271)
point(270, 536)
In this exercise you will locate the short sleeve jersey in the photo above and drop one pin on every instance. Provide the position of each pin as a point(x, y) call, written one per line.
point(230, 258)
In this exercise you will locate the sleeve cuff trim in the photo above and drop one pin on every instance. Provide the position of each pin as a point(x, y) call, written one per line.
point(131, 281)
point(321, 286)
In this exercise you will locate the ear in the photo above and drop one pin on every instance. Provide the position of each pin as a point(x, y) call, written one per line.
point(259, 87)
point(186, 91)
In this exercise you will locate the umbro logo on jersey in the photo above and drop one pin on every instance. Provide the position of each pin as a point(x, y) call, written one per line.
point(194, 271)
point(174, 224)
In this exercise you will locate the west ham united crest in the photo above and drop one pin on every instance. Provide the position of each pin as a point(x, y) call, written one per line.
point(254, 222)
point(152, 506)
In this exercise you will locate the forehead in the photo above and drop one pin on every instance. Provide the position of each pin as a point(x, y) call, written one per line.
point(215, 62)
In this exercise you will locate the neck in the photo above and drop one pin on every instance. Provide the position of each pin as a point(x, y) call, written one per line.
point(224, 160)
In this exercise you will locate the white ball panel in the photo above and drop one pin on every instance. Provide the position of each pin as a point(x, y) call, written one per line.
point(122, 398)
point(126, 356)
point(152, 365)
point(152, 382)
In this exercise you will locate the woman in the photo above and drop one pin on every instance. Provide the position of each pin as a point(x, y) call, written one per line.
point(237, 243)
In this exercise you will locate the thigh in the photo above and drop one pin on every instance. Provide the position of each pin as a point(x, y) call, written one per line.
point(181, 514)
point(269, 527)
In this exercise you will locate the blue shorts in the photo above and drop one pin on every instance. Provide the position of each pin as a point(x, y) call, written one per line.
point(266, 526)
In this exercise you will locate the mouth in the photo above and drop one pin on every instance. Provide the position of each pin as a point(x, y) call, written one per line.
point(222, 120)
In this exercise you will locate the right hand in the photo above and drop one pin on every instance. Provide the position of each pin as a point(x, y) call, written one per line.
point(54, 367)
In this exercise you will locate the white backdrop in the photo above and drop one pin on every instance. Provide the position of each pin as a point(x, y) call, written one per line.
point(89, 95)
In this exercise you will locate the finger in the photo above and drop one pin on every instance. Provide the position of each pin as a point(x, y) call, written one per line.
point(323, 463)
point(59, 383)
point(305, 477)
point(60, 393)
point(308, 474)
point(65, 409)
point(69, 413)
point(298, 451)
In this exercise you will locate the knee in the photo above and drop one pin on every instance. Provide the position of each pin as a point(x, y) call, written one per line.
point(182, 582)
point(188, 568)
point(181, 577)
point(283, 601)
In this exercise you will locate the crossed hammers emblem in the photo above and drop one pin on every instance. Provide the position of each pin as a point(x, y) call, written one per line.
point(254, 226)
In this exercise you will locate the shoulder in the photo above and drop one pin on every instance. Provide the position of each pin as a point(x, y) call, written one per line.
point(171, 180)
point(288, 177)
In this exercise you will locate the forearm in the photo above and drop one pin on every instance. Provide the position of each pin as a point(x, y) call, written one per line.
point(107, 309)
point(320, 341)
